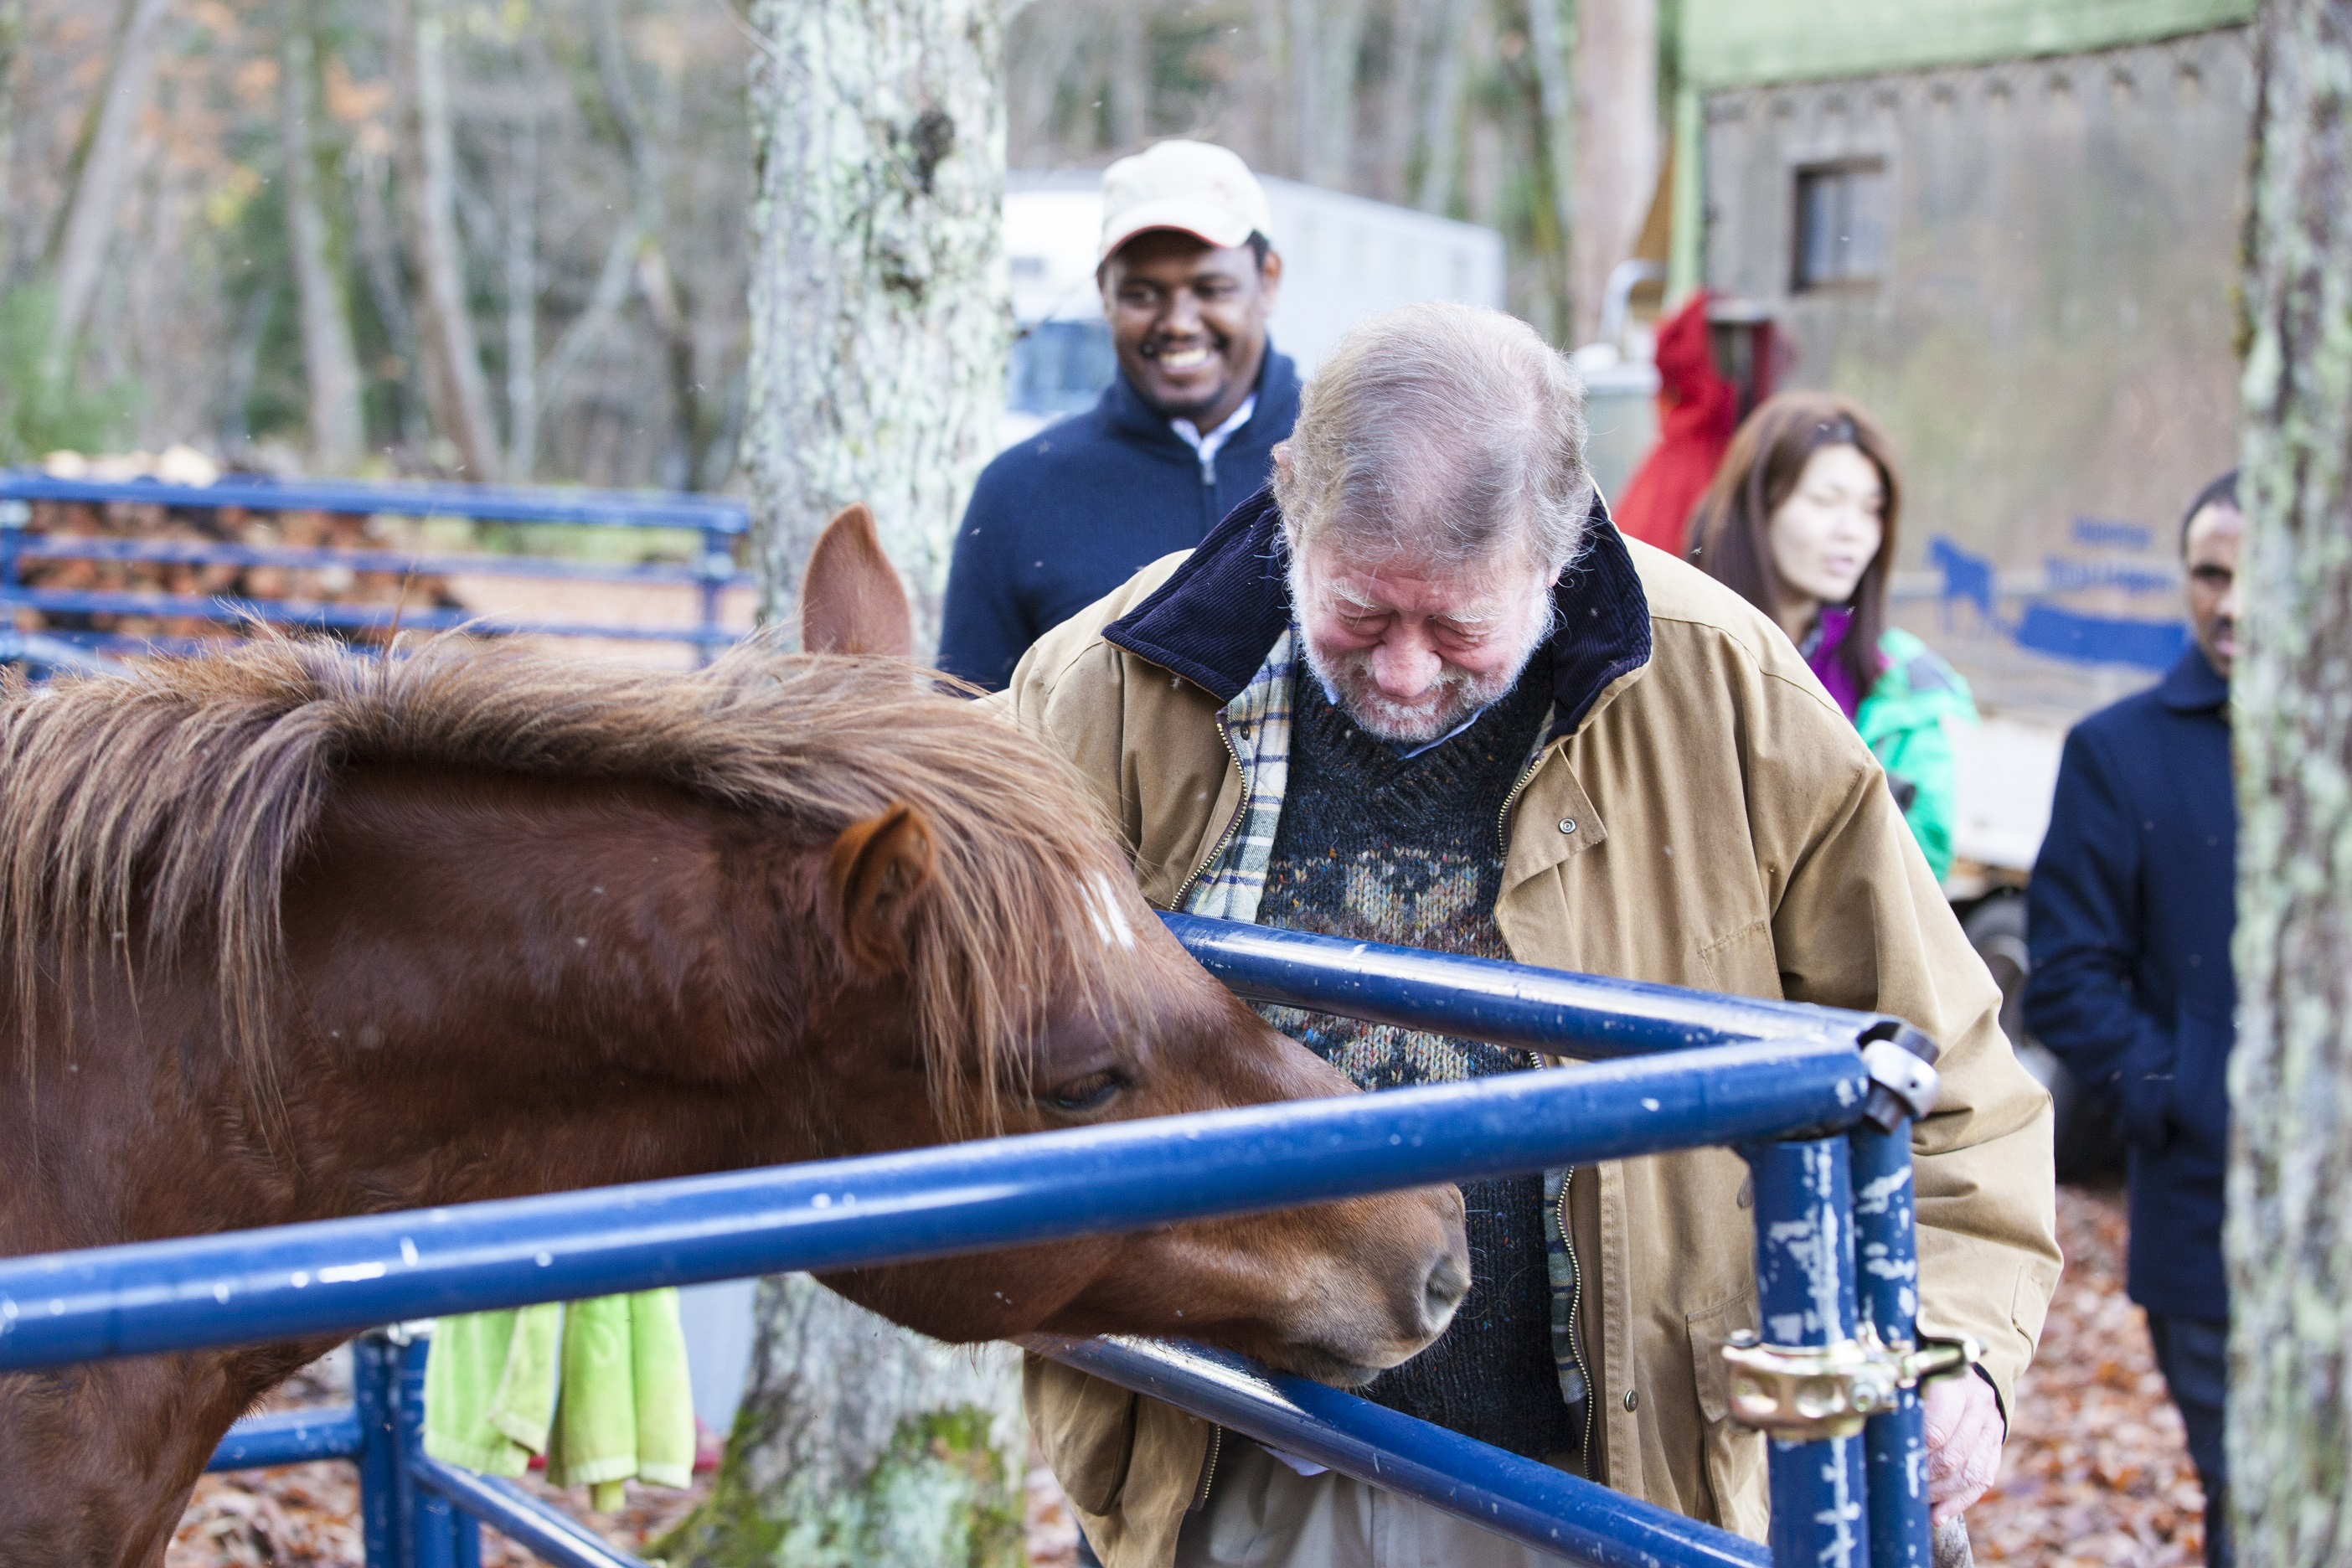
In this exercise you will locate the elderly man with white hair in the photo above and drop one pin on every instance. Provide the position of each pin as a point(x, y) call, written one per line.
point(1420, 690)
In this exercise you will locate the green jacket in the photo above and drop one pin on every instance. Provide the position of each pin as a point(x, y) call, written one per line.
point(1902, 723)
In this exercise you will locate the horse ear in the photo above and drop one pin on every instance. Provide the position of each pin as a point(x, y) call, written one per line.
point(873, 876)
point(851, 599)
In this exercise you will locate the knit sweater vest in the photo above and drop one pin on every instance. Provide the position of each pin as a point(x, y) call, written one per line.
point(1375, 846)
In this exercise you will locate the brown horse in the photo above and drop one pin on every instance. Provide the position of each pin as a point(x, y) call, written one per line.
point(299, 933)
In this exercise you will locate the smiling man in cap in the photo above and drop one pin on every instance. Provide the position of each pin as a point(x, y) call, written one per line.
point(1184, 433)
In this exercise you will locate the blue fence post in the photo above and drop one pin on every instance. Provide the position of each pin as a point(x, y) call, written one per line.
point(403, 1524)
point(718, 566)
point(375, 1398)
point(1805, 1289)
point(16, 521)
point(445, 1538)
point(1897, 1441)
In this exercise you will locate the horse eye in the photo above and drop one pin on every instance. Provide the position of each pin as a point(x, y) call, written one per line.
point(1086, 1093)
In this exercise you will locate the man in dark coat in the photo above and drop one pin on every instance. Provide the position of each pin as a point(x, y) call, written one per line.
point(2130, 913)
point(1185, 432)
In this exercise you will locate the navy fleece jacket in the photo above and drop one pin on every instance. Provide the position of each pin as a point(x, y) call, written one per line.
point(1074, 512)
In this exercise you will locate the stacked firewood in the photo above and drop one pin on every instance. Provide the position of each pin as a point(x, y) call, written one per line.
point(333, 583)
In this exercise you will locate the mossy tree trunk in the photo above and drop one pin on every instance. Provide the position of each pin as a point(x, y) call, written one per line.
point(880, 321)
point(863, 1446)
point(880, 314)
point(2289, 1238)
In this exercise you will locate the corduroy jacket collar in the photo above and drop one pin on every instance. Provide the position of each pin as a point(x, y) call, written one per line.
point(1215, 620)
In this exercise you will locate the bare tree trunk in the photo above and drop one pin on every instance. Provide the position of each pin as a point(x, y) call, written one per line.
point(244, 365)
point(331, 363)
point(1131, 76)
point(618, 278)
point(1320, 40)
point(454, 386)
point(380, 264)
point(1615, 164)
point(1551, 40)
point(1440, 124)
point(2289, 1234)
point(649, 273)
point(12, 42)
point(879, 316)
point(521, 235)
point(1387, 110)
point(105, 171)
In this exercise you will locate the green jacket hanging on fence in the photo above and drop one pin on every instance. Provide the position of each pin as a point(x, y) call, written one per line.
point(600, 1387)
point(1902, 722)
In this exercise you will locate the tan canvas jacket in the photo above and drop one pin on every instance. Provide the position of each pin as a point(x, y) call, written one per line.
point(1732, 832)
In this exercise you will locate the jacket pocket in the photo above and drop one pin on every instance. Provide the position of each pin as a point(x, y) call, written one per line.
point(1745, 962)
point(2147, 1091)
point(1731, 1457)
point(1085, 1428)
point(2201, 1083)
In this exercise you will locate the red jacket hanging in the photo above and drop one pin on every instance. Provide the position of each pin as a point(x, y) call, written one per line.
point(1696, 411)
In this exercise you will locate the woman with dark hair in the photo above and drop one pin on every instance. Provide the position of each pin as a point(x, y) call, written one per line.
point(1801, 523)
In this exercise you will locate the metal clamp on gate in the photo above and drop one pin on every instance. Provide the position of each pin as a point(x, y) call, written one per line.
point(1902, 1079)
point(1800, 1392)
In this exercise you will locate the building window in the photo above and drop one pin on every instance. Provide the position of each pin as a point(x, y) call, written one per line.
point(1840, 227)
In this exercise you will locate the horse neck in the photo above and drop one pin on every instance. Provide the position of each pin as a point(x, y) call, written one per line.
point(515, 985)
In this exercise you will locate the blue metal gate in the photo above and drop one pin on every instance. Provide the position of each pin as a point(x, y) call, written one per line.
point(717, 523)
point(1818, 1101)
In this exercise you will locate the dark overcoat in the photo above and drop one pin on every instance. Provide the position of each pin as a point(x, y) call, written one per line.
point(2129, 918)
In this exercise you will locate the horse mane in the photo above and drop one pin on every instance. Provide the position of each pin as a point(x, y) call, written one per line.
point(174, 799)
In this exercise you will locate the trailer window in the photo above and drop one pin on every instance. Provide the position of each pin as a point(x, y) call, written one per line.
point(1840, 225)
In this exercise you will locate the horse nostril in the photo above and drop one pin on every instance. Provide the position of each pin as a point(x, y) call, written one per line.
point(1447, 1283)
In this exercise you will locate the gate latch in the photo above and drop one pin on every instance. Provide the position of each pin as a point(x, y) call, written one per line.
point(1800, 1392)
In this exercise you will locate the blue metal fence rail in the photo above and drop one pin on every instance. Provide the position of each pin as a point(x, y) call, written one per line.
point(1793, 1088)
point(719, 522)
point(342, 1276)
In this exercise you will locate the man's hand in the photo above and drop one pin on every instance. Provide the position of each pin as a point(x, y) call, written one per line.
point(1964, 1439)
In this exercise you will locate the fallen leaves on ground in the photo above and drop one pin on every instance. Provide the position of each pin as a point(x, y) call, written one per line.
point(2096, 1474)
point(307, 1516)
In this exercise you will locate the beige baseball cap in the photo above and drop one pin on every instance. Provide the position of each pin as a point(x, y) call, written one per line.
point(1202, 190)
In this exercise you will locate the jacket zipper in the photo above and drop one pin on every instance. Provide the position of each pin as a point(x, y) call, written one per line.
point(1503, 817)
point(1501, 821)
point(1176, 904)
point(1207, 1469)
point(1575, 1337)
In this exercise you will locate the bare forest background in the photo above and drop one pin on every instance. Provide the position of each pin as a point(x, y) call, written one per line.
point(506, 238)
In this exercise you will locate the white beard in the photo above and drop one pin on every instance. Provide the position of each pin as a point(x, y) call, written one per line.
point(1456, 697)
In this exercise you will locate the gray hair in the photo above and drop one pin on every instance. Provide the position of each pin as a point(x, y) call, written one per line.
point(1445, 427)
